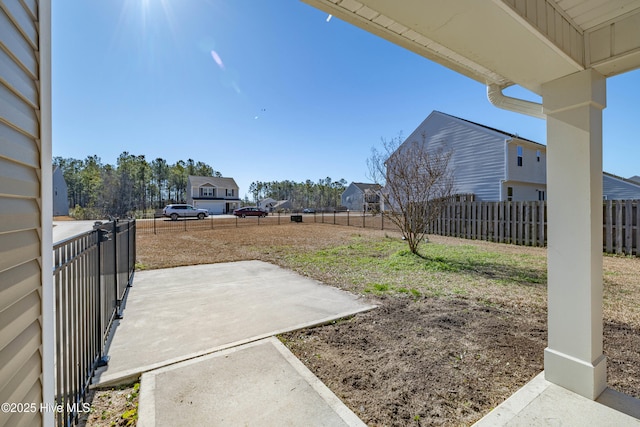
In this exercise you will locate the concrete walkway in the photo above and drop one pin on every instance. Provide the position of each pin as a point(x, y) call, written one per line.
point(191, 314)
point(541, 403)
point(257, 384)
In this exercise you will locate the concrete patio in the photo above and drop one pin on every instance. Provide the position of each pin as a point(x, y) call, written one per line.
point(208, 327)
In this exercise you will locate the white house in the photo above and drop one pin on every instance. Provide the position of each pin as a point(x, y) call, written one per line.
point(267, 204)
point(361, 196)
point(216, 194)
point(618, 188)
point(495, 165)
point(489, 163)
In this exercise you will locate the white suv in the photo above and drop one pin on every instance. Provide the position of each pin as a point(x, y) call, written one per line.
point(185, 211)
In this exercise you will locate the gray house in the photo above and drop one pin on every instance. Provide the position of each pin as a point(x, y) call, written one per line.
point(361, 196)
point(489, 163)
point(60, 191)
point(495, 165)
point(618, 188)
point(216, 194)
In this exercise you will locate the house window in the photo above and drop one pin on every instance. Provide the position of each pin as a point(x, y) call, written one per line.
point(541, 195)
point(510, 193)
point(538, 155)
point(230, 192)
point(519, 155)
point(207, 192)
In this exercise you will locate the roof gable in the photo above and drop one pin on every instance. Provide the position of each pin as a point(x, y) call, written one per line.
point(506, 135)
point(362, 186)
point(221, 182)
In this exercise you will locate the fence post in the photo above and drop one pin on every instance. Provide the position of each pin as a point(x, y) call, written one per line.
point(347, 218)
point(532, 223)
point(608, 216)
point(118, 314)
point(628, 227)
point(618, 241)
point(637, 243)
point(154, 224)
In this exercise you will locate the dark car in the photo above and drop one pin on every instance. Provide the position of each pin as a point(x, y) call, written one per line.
point(250, 211)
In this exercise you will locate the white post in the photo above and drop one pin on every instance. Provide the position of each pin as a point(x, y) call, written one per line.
point(46, 213)
point(574, 358)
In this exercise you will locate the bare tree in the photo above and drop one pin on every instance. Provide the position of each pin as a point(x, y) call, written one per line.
point(417, 182)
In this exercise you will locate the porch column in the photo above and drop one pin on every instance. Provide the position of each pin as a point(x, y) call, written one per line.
point(574, 358)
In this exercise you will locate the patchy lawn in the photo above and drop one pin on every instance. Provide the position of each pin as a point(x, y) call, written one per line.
point(457, 330)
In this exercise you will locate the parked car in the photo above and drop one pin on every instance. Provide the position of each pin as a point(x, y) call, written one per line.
point(250, 211)
point(308, 210)
point(184, 211)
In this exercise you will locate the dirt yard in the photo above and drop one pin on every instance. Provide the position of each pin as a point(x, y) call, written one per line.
point(439, 358)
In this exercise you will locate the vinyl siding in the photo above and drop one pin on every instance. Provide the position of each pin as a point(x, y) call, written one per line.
point(352, 198)
point(616, 189)
point(532, 170)
point(478, 155)
point(21, 363)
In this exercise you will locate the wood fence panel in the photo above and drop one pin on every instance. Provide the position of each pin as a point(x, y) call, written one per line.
point(618, 225)
point(628, 227)
point(501, 221)
point(525, 223)
point(608, 225)
point(637, 242)
point(534, 223)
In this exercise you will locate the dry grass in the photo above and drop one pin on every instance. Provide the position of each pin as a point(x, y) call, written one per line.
point(282, 244)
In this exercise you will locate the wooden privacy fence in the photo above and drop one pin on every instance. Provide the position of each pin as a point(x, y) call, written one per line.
point(525, 223)
point(520, 223)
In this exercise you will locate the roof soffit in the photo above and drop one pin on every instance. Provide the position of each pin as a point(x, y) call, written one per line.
point(526, 42)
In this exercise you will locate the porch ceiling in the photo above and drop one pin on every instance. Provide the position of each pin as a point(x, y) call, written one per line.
point(525, 42)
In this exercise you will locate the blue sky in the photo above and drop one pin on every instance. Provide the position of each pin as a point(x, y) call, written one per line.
point(264, 90)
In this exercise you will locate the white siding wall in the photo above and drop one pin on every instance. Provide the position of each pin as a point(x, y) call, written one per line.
point(477, 153)
point(25, 170)
point(352, 198)
point(532, 170)
point(617, 189)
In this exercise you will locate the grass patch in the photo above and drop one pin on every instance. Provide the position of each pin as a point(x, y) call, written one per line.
point(385, 266)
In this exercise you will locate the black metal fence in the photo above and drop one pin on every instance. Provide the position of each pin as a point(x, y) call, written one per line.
point(91, 274)
point(158, 224)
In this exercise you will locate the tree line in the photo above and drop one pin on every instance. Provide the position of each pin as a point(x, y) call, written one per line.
point(323, 194)
point(133, 185)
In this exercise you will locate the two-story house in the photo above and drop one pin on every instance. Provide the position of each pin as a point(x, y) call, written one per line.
point(216, 194)
point(361, 196)
point(491, 164)
point(495, 165)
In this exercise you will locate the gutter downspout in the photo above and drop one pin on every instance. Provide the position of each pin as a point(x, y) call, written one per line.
point(498, 99)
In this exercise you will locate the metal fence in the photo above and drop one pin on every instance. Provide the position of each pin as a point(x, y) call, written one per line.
point(156, 224)
point(519, 223)
point(91, 274)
